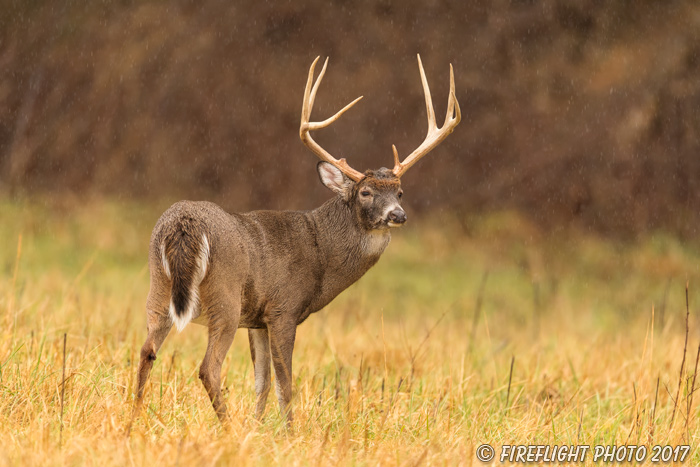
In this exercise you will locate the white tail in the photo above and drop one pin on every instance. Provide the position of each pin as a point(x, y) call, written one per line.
point(181, 317)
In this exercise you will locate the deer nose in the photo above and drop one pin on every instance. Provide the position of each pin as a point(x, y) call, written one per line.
point(397, 216)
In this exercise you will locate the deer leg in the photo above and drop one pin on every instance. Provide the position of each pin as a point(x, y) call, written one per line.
point(220, 339)
point(260, 353)
point(159, 326)
point(282, 334)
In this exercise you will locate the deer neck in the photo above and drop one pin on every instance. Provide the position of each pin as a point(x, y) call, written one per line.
point(349, 248)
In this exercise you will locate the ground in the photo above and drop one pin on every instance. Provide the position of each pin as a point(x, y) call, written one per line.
point(468, 331)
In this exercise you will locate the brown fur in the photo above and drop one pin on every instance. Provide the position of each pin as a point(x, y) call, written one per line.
point(382, 179)
point(267, 271)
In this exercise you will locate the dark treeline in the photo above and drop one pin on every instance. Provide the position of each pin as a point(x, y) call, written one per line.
point(574, 111)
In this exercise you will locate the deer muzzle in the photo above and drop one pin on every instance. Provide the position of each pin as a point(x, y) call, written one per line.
point(396, 218)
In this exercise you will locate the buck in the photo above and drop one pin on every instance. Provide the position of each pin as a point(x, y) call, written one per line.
point(267, 271)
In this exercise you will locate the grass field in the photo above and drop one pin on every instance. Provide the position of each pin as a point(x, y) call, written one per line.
point(410, 366)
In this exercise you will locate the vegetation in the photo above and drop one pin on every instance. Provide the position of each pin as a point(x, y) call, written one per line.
point(410, 366)
point(574, 110)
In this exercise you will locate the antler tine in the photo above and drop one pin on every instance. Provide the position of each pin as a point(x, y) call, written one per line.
point(435, 135)
point(308, 99)
point(314, 90)
point(428, 98)
point(452, 104)
point(306, 125)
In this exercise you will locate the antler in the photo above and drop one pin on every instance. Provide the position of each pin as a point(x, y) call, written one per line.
point(435, 134)
point(306, 125)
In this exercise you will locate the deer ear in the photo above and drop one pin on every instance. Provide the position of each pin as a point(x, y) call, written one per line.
point(335, 179)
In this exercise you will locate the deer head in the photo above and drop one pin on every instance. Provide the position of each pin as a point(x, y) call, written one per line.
point(375, 199)
point(376, 194)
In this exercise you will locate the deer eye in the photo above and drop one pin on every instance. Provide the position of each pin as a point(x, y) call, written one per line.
point(365, 193)
point(400, 194)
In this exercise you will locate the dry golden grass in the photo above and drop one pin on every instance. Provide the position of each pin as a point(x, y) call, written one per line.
point(397, 371)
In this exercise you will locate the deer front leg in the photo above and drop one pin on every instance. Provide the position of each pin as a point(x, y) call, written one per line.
point(260, 353)
point(282, 333)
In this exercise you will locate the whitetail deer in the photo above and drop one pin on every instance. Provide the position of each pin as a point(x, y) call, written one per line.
point(269, 270)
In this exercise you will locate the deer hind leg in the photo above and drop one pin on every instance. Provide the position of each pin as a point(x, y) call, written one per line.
point(282, 334)
point(260, 353)
point(210, 372)
point(223, 310)
point(159, 325)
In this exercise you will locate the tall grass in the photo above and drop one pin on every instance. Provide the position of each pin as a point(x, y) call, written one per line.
point(578, 340)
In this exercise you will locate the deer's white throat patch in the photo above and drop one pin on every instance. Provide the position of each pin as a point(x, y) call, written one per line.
point(376, 242)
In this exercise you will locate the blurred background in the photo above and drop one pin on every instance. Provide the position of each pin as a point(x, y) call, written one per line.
point(575, 112)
